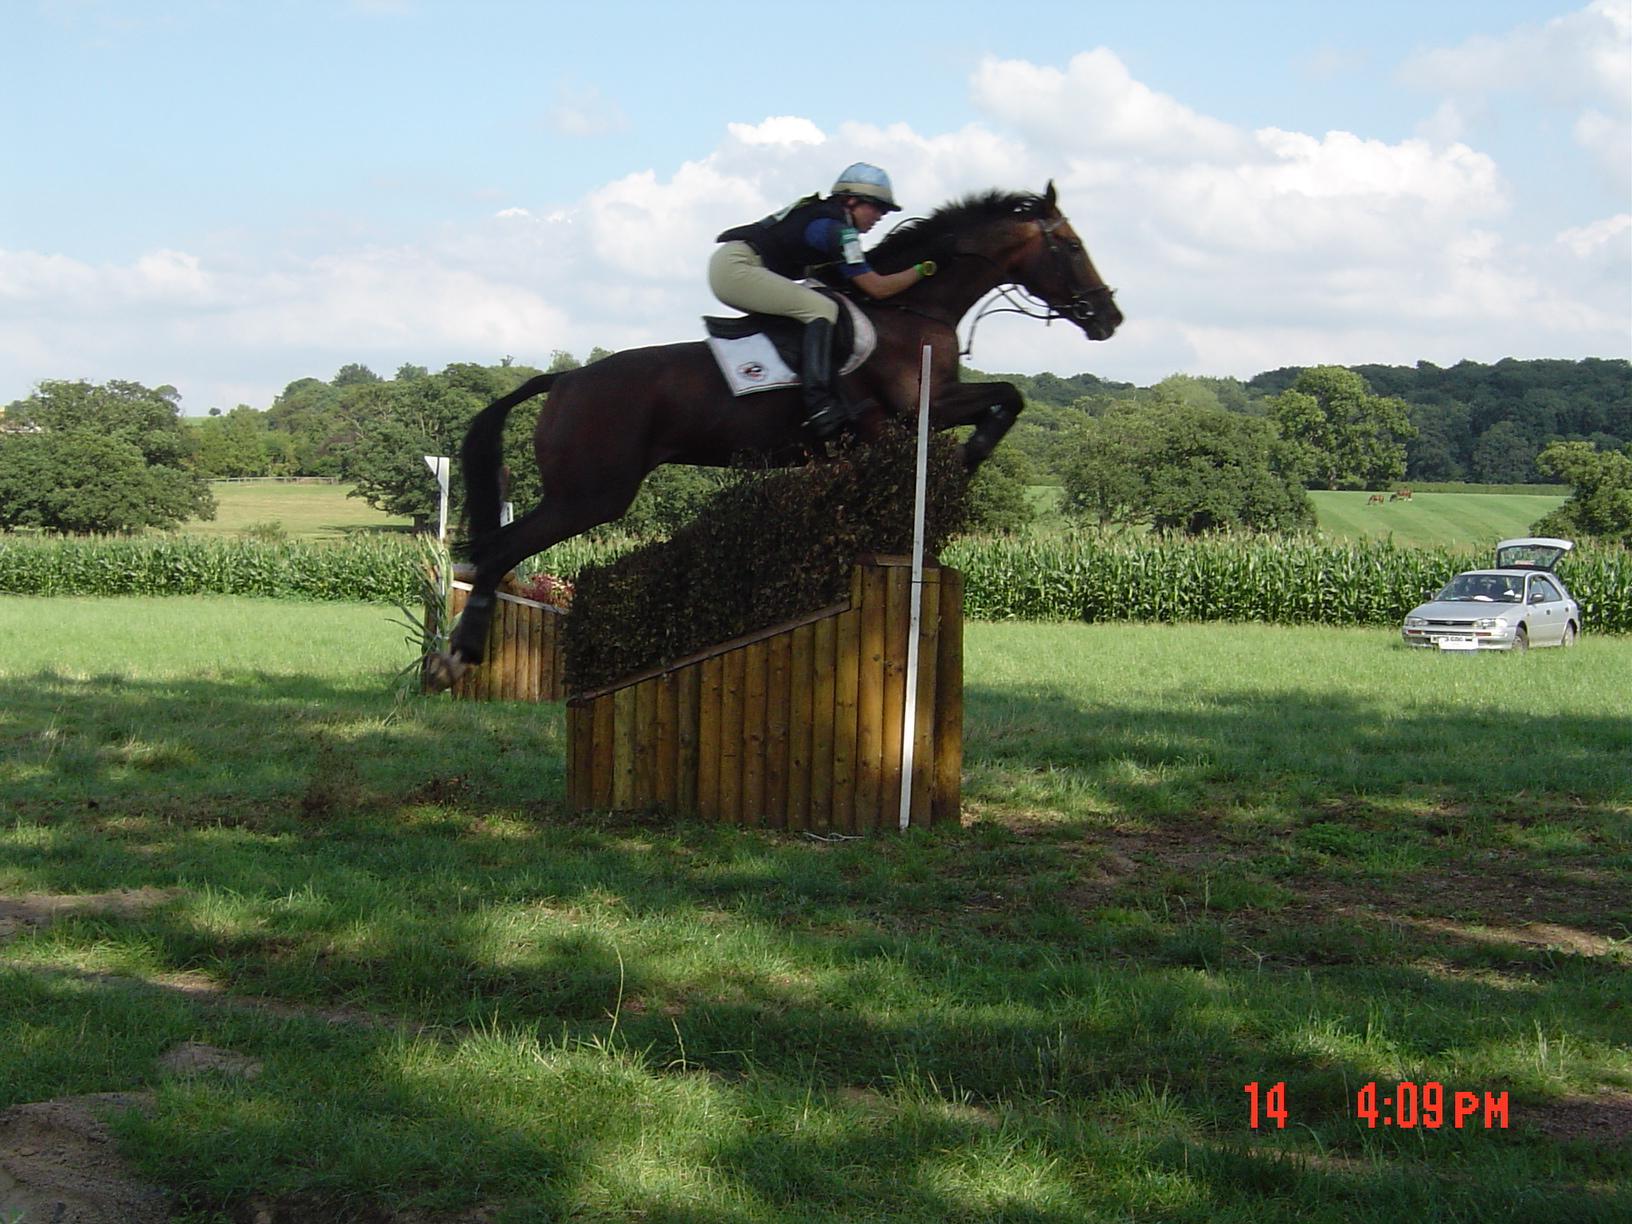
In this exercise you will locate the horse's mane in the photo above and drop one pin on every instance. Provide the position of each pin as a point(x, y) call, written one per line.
point(925, 237)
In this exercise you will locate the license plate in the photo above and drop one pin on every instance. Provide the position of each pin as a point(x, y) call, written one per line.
point(1458, 643)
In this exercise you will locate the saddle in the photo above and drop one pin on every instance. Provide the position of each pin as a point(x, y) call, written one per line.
point(760, 352)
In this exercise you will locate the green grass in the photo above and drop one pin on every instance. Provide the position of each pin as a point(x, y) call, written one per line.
point(1196, 857)
point(1428, 520)
point(302, 511)
point(1444, 516)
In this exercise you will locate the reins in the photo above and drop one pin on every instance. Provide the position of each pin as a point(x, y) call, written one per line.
point(1010, 297)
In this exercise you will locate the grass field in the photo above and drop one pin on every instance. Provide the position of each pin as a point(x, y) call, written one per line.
point(1194, 858)
point(1429, 519)
point(303, 511)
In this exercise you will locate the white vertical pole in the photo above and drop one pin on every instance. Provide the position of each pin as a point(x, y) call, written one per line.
point(909, 718)
point(439, 468)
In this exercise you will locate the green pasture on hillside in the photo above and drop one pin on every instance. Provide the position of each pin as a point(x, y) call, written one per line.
point(1429, 520)
point(303, 511)
point(1194, 857)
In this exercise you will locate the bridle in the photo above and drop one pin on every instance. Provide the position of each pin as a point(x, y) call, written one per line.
point(1080, 308)
point(1010, 297)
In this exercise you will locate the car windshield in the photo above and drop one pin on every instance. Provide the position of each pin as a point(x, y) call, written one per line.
point(1483, 588)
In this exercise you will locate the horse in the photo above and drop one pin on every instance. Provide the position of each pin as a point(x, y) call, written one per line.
point(1376, 499)
point(606, 425)
point(1400, 495)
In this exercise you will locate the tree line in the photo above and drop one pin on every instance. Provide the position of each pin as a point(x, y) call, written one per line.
point(1192, 455)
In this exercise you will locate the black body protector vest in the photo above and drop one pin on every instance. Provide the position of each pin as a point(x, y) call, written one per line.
point(779, 239)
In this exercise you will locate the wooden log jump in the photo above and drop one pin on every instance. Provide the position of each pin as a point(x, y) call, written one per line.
point(798, 726)
point(524, 660)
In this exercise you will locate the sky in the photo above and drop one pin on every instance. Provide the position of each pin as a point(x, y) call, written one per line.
point(228, 195)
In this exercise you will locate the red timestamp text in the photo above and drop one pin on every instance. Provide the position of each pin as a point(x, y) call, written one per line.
point(1412, 1105)
point(1407, 1106)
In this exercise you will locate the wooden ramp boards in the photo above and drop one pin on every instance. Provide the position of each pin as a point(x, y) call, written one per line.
point(796, 727)
point(524, 660)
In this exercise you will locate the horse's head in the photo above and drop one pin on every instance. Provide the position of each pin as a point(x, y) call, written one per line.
point(1049, 262)
point(1025, 244)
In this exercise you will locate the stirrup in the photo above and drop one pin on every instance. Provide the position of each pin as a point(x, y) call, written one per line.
point(831, 420)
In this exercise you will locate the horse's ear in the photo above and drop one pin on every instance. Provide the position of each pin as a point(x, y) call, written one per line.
point(1049, 196)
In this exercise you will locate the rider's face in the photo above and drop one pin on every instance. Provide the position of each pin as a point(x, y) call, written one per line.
point(864, 215)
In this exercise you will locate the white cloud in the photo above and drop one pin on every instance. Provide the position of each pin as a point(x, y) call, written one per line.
point(778, 130)
point(1580, 62)
point(1095, 105)
point(1585, 240)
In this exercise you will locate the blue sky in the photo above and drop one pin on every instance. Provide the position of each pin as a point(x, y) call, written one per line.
point(227, 195)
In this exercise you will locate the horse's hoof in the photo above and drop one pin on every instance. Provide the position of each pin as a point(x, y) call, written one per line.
point(442, 671)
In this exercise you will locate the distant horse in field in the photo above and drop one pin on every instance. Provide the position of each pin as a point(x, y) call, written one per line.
point(1376, 499)
point(1400, 495)
point(606, 425)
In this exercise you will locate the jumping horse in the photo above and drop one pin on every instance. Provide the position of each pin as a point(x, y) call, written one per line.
point(606, 425)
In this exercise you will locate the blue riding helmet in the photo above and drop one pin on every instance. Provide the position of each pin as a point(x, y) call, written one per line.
point(869, 183)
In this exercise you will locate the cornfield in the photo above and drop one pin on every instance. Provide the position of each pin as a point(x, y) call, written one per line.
point(1066, 578)
point(1271, 580)
point(370, 569)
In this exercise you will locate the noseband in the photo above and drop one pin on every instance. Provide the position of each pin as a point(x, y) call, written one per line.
point(1080, 308)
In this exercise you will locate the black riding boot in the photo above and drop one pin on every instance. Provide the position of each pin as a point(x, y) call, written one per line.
point(828, 410)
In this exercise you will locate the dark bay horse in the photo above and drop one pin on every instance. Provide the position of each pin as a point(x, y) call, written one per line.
point(608, 424)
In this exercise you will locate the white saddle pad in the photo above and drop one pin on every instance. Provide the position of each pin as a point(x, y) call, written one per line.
point(753, 364)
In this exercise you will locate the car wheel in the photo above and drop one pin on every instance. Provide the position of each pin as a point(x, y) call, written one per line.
point(1569, 634)
point(1521, 638)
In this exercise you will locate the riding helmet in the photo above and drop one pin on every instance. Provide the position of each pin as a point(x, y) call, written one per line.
point(867, 182)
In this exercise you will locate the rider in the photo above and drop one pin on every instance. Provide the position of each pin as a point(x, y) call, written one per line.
point(755, 266)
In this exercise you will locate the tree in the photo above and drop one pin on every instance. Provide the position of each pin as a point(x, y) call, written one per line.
point(999, 499)
point(1102, 465)
point(1350, 437)
point(1182, 467)
point(108, 458)
point(1600, 503)
point(1504, 454)
point(399, 422)
point(232, 444)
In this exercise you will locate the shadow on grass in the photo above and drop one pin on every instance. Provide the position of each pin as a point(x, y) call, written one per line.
point(700, 1024)
point(1292, 746)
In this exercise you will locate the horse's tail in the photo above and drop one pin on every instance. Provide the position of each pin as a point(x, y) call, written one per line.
point(482, 459)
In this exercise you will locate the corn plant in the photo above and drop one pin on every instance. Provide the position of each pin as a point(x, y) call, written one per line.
point(1271, 580)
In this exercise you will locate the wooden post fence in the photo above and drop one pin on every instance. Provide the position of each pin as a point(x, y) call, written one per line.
point(524, 659)
point(795, 727)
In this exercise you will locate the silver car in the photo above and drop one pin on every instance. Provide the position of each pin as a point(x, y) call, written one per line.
point(1519, 604)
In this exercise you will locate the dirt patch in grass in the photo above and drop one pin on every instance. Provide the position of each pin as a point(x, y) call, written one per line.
point(58, 1162)
point(1605, 1118)
point(35, 911)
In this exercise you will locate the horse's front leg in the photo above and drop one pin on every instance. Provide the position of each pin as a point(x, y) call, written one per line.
point(990, 407)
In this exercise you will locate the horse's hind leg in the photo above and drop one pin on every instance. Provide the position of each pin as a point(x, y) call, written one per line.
point(545, 525)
